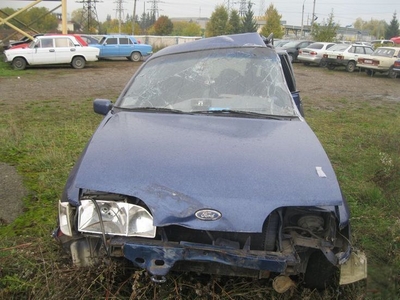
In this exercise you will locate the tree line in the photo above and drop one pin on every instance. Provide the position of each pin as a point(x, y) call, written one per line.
point(222, 21)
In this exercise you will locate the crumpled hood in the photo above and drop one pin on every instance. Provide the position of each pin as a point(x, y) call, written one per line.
point(178, 164)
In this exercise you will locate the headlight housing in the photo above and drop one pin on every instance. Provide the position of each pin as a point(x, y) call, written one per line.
point(118, 218)
point(64, 218)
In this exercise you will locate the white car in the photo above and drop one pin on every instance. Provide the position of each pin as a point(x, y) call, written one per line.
point(46, 50)
point(381, 61)
point(345, 55)
point(312, 54)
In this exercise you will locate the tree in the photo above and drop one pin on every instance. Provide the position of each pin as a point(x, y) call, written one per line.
point(249, 24)
point(184, 28)
point(38, 18)
point(234, 25)
point(163, 26)
point(376, 28)
point(272, 23)
point(393, 29)
point(325, 32)
point(218, 24)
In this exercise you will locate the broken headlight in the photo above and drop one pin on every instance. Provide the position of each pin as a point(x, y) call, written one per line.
point(115, 218)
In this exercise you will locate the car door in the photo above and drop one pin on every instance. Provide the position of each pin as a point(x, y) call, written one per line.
point(110, 47)
point(126, 46)
point(44, 52)
point(65, 49)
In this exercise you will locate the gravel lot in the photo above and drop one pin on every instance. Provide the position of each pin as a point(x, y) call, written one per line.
point(320, 88)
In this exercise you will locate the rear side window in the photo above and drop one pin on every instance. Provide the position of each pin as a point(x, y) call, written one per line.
point(64, 42)
point(124, 41)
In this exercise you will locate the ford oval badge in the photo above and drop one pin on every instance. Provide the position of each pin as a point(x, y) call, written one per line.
point(208, 215)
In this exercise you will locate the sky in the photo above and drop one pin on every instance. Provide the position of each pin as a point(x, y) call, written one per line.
point(345, 12)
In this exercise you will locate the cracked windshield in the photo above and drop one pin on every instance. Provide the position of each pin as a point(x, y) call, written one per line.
point(240, 80)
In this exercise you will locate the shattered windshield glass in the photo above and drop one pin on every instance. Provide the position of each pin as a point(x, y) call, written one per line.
point(236, 79)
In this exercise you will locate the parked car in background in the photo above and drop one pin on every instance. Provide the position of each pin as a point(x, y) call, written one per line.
point(112, 46)
point(280, 43)
point(313, 53)
point(382, 43)
point(380, 61)
point(343, 55)
point(396, 67)
point(91, 39)
point(293, 47)
point(21, 43)
point(213, 170)
point(57, 49)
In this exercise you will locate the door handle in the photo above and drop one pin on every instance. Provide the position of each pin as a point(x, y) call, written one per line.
point(72, 49)
point(52, 50)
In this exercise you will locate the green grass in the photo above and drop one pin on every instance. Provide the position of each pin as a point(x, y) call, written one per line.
point(6, 69)
point(44, 138)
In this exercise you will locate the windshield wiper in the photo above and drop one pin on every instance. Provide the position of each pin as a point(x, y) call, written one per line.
point(152, 109)
point(243, 113)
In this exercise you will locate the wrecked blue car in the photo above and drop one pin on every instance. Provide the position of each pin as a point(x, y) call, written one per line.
point(205, 163)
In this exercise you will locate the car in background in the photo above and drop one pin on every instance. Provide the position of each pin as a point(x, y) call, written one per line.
point(213, 170)
point(293, 47)
point(112, 46)
point(396, 67)
point(91, 39)
point(54, 49)
point(344, 55)
point(313, 53)
point(380, 61)
point(280, 43)
point(21, 43)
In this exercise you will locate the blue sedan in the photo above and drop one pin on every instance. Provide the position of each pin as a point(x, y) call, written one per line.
point(123, 46)
point(205, 164)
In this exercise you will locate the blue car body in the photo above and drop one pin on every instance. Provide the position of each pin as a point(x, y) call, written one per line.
point(112, 46)
point(223, 191)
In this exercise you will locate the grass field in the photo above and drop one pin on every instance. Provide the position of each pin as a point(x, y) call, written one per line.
point(43, 139)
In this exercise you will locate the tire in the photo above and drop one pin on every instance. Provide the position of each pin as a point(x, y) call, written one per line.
point(323, 63)
point(330, 67)
point(135, 56)
point(19, 63)
point(391, 73)
point(351, 66)
point(320, 273)
point(306, 63)
point(270, 230)
point(78, 62)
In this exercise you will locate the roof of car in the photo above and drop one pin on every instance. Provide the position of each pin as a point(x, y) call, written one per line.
point(223, 41)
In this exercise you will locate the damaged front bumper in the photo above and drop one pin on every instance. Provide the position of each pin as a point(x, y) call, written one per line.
point(158, 258)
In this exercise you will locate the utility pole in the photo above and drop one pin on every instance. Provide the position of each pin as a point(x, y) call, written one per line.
point(134, 17)
point(313, 14)
point(302, 19)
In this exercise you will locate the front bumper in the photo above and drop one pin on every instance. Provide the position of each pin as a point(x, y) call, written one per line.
point(158, 258)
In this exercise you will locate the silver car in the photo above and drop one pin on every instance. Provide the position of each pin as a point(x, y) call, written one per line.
point(313, 53)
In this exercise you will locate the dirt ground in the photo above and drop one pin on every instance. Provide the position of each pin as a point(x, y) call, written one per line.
point(319, 88)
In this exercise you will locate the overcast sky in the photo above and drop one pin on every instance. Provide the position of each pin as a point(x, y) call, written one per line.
point(345, 11)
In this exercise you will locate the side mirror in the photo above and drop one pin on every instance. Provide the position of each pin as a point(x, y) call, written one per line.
point(102, 106)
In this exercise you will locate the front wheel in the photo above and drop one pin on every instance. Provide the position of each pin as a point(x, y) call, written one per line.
point(78, 62)
point(320, 273)
point(135, 56)
point(19, 63)
point(351, 66)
